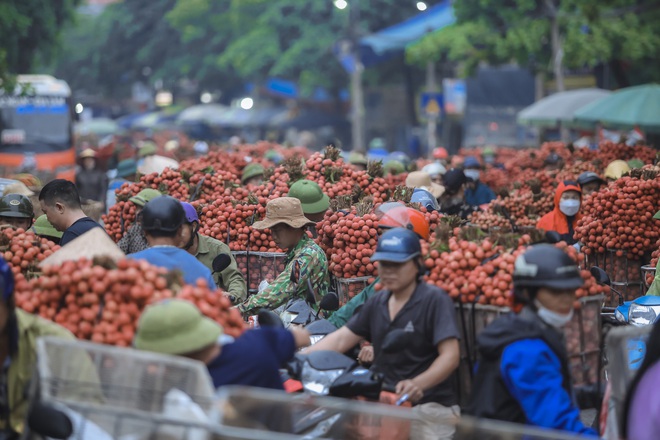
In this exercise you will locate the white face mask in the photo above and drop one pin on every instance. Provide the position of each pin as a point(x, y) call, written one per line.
point(552, 318)
point(569, 207)
point(472, 174)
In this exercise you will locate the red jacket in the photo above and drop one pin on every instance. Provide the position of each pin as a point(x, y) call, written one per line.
point(556, 220)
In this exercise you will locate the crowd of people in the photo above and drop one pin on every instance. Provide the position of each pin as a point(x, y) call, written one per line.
point(523, 373)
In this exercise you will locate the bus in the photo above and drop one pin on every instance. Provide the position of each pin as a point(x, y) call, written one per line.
point(36, 127)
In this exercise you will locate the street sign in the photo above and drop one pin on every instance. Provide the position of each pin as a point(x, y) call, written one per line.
point(431, 105)
point(455, 96)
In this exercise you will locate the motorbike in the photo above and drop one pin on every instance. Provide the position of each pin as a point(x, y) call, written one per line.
point(328, 373)
point(640, 312)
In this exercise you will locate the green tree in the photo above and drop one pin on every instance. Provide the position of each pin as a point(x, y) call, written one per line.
point(590, 33)
point(29, 31)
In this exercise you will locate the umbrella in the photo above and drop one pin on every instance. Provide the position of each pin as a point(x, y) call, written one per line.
point(631, 107)
point(207, 113)
point(559, 107)
point(98, 126)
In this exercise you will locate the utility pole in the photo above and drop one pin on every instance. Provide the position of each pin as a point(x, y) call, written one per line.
point(557, 49)
point(431, 122)
point(557, 55)
point(357, 93)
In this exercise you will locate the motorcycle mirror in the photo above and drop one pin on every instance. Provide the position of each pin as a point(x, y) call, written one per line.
point(295, 273)
point(394, 341)
point(47, 421)
point(552, 237)
point(600, 275)
point(329, 302)
point(268, 318)
point(221, 262)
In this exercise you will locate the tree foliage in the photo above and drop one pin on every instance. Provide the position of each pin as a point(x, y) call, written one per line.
point(219, 44)
point(593, 32)
point(29, 30)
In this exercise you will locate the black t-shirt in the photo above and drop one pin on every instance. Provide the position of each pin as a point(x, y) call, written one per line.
point(429, 315)
point(77, 229)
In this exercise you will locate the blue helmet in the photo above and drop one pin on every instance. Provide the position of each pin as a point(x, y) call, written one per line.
point(397, 245)
point(426, 199)
point(471, 162)
point(398, 156)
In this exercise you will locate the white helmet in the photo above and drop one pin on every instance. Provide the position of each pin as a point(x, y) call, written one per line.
point(435, 169)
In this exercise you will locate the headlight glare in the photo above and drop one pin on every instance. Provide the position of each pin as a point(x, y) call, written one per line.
point(643, 315)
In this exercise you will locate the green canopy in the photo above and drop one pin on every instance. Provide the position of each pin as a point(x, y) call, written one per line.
point(631, 107)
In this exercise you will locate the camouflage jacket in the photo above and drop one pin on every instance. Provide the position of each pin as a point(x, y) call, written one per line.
point(231, 279)
point(313, 265)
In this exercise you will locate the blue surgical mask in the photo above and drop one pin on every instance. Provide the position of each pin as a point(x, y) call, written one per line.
point(569, 207)
point(554, 319)
point(472, 174)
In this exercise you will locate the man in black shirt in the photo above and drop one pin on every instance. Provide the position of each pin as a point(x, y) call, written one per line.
point(60, 202)
point(423, 370)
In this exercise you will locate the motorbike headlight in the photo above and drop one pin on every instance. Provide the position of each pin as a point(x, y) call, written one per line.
point(287, 318)
point(318, 381)
point(641, 315)
point(316, 338)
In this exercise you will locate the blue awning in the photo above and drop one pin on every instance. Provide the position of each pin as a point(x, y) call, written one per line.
point(393, 40)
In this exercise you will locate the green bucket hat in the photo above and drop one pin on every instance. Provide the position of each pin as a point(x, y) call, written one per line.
point(252, 170)
point(310, 195)
point(126, 168)
point(147, 149)
point(635, 163)
point(175, 326)
point(394, 167)
point(43, 227)
point(144, 196)
point(356, 158)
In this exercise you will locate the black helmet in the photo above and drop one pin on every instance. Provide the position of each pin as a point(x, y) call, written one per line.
point(397, 245)
point(16, 205)
point(544, 265)
point(589, 177)
point(163, 213)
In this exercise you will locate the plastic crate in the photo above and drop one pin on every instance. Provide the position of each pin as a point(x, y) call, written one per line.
point(583, 336)
point(622, 269)
point(347, 288)
point(475, 317)
point(124, 392)
point(259, 266)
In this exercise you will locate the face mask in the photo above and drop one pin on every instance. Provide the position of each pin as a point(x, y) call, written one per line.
point(472, 174)
point(552, 318)
point(489, 159)
point(569, 207)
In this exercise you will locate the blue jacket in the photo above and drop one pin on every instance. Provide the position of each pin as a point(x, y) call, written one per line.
point(480, 195)
point(532, 374)
point(171, 257)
